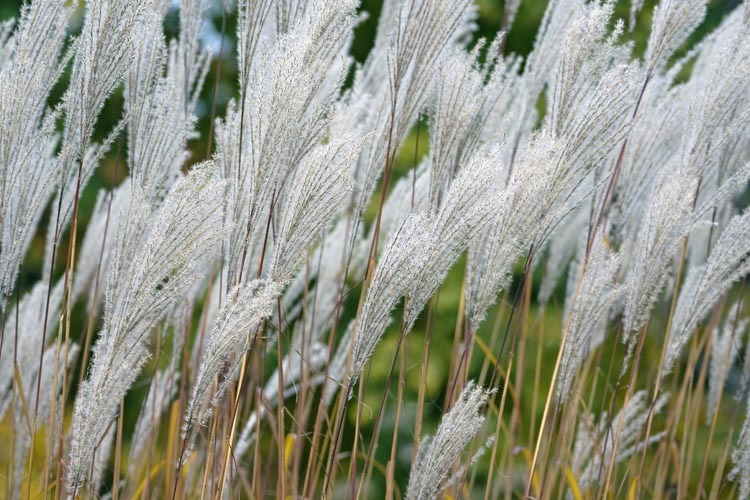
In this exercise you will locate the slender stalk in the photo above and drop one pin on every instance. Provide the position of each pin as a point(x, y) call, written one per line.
point(725, 371)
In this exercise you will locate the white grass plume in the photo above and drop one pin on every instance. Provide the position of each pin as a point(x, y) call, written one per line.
point(97, 247)
point(288, 93)
point(316, 193)
point(594, 441)
point(674, 21)
point(661, 230)
point(587, 311)
point(158, 257)
point(32, 65)
point(725, 343)
point(462, 106)
point(230, 337)
point(161, 391)
point(728, 262)
point(397, 270)
point(26, 324)
point(438, 454)
point(741, 457)
point(466, 208)
point(397, 77)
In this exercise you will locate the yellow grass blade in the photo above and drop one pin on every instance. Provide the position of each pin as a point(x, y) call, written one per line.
point(570, 478)
point(535, 477)
point(289, 442)
point(633, 488)
point(21, 395)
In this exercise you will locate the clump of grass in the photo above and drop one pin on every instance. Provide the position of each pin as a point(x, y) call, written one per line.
point(244, 325)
